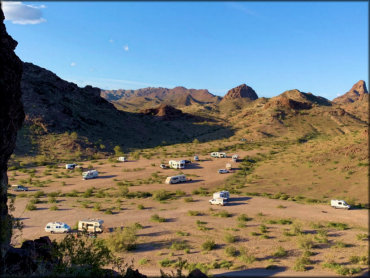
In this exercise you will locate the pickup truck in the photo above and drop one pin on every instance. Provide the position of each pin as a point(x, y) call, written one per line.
point(218, 201)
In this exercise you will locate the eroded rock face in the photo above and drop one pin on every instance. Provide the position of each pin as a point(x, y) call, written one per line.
point(11, 119)
point(165, 112)
point(357, 93)
point(242, 91)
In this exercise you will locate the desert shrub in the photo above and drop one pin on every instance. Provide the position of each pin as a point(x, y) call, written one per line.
point(362, 236)
point(229, 238)
point(179, 245)
point(280, 252)
point(337, 225)
point(231, 251)
point(157, 218)
point(30, 207)
point(35, 201)
point(108, 211)
point(340, 269)
point(140, 206)
point(143, 261)
point(221, 264)
point(122, 239)
point(194, 213)
point(97, 206)
point(52, 200)
point(165, 262)
point(301, 263)
point(359, 259)
point(243, 217)
point(181, 233)
point(161, 195)
point(54, 194)
point(180, 193)
point(305, 242)
point(263, 228)
point(53, 208)
point(208, 245)
point(340, 244)
point(246, 256)
point(223, 213)
point(39, 194)
point(188, 199)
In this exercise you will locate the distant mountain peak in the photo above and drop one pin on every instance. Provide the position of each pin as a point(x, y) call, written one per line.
point(241, 91)
point(357, 92)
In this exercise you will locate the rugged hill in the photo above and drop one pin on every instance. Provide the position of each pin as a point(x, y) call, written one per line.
point(134, 100)
point(357, 93)
point(242, 91)
point(61, 116)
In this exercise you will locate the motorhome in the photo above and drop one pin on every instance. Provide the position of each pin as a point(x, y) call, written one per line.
point(218, 201)
point(121, 158)
point(221, 194)
point(218, 154)
point(177, 164)
point(339, 204)
point(91, 225)
point(57, 227)
point(92, 174)
point(70, 166)
point(175, 179)
point(17, 187)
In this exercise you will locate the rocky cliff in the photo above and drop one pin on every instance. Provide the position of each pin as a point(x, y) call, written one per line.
point(242, 91)
point(357, 93)
point(11, 118)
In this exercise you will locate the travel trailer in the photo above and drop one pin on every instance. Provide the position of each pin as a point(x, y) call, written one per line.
point(91, 225)
point(228, 166)
point(19, 188)
point(57, 227)
point(218, 201)
point(175, 179)
point(92, 174)
point(121, 158)
point(339, 204)
point(221, 194)
point(70, 166)
point(177, 164)
point(218, 154)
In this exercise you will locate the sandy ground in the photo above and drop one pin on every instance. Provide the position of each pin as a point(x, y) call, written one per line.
point(155, 238)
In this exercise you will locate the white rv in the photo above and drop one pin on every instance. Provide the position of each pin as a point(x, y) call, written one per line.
point(339, 204)
point(70, 166)
point(177, 164)
point(218, 201)
point(235, 158)
point(121, 158)
point(196, 158)
point(218, 154)
point(221, 194)
point(57, 227)
point(92, 174)
point(175, 179)
point(91, 225)
point(228, 166)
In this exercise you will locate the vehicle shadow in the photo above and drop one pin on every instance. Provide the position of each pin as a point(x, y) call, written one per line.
point(193, 166)
point(150, 246)
point(193, 181)
point(252, 272)
point(155, 233)
point(235, 199)
point(107, 177)
point(231, 204)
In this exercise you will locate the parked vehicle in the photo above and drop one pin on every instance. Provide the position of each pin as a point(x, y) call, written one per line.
point(221, 194)
point(57, 227)
point(19, 188)
point(228, 166)
point(175, 179)
point(218, 154)
point(121, 158)
point(177, 164)
point(71, 166)
point(92, 174)
point(243, 140)
point(223, 171)
point(235, 158)
point(339, 204)
point(91, 225)
point(186, 161)
point(218, 201)
point(163, 166)
point(196, 158)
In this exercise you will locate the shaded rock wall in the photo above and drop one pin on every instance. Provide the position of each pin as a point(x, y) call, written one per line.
point(11, 118)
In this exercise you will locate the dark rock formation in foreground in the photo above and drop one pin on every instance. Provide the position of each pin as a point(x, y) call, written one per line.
point(165, 112)
point(242, 91)
point(11, 118)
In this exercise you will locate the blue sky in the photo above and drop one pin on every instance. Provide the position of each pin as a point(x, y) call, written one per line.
point(318, 47)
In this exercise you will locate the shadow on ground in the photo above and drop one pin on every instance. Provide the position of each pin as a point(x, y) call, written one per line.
point(252, 272)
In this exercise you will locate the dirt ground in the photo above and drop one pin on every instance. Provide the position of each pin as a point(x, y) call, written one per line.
point(155, 238)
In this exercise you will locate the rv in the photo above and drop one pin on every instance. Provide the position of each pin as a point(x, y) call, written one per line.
point(235, 158)
point(339, 204)
point(57, 227)
point(92, 174)
point(121, 158)
point(91, 225)
point(218, 201)
point(221, 194)
point(70, 166)
point(176, 179)
point(218, 154)
point(19, 188)
point(228, 166)
point(196, 158)
point(177, 164)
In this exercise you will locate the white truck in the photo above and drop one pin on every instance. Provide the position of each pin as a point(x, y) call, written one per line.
point(218, 201)
point(70, 166)
point(196, 158)
point(339, 204)
point(121, 158)
point(235, 158)
point(175, 179)
point(177, 164)
point(57, 227)
point(221, 194)
point(218, 154)
point(92, 174)
point(90, 225)
point(17, 187)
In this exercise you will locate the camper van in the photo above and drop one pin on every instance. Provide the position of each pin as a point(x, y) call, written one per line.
point(176, 179)
point(121, 158)
point(218, 201)
point(177, 164)
point(221, 194)
point(91, 225)
point(339, 204)
point(70, 166)
point(218, 154)
point(57, 227)
point(92, 174)
point(196, 158)
point(16, 187)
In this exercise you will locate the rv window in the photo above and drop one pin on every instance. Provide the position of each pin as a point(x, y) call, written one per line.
point(48, 227)
point(57, 227)
point(339, 203)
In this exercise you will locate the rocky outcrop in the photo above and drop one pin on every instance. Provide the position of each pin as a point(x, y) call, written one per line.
point(11, 118)
point(357, 93)
point(242, 91)
point(164, 112)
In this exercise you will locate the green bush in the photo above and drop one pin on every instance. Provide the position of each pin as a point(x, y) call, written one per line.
point(39, 194)
point(229, 238)
point(243, 217)
point(231, 251)
point(165, 262)
point(208, 245)
point(179, 245)
point(246, 256)
point(280, 252)
point(223, 213)
point(263, 228)
point(53, 208)
point(157, 218)
point(301, 263)
point(194, 213)
point(161, 195)
point(140, 206)
point(108, 211)
point(305, 242)
point(181, 233)
point(122, 239)
point(338, 226)
point(362, 236)
point(188, 199)
point(30, 206)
